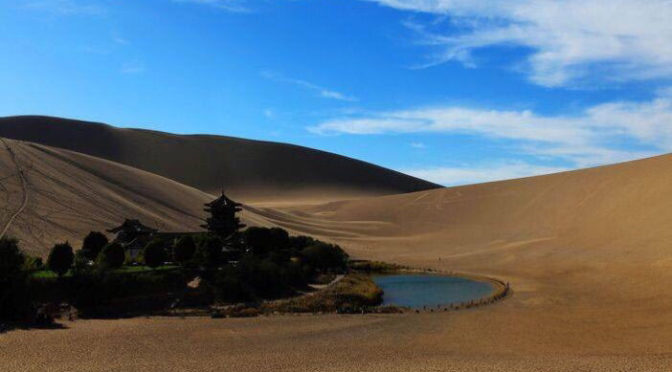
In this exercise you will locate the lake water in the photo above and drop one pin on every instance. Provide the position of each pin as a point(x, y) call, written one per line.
point(416, 291)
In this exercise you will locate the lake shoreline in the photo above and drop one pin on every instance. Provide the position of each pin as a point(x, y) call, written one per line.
point(499, 289)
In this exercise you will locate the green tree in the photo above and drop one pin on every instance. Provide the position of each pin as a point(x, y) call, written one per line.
point(264, 240)
point(60, 258)
point(209, 251)
point(11, 258)
point(300, 242)
point(112, 256)
point(154, 254)
point(184, 249)
point(14, 296)
point(93, 243)
point(325, 257)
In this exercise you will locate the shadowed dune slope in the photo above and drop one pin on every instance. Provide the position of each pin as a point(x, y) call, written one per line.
point(247, 169)
point(70, 194)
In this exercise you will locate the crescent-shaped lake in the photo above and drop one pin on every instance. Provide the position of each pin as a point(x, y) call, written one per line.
point(418, 290)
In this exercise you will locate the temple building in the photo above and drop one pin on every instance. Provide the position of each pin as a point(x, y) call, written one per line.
point(133, 236)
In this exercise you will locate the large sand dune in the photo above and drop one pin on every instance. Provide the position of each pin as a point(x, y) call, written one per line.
point(588, 255)
point(251, 170)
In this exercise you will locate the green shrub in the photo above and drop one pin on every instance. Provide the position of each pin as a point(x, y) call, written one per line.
point(230, 287)
point(98, 292)
point(31, 264)
point(154, 254)
point(295, 274)
point(266, 278)
point(184, 249)
point(81, 261)
point(60, 258)
point(209, 251)
point(374, 266)
point(112, 256)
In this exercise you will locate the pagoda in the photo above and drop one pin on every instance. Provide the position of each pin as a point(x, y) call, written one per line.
point(223, 220)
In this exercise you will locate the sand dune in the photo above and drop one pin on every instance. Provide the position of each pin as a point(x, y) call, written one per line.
point(588, 254)
point(69, 194)
point(614, 214)
point(604, 232)
point(249, 170)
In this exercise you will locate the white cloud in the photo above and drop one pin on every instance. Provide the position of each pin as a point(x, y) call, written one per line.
point(601, 134)
point(321, 91)
point(229, 5)
point(463, 175)
point(418, 145)
point(569, 39)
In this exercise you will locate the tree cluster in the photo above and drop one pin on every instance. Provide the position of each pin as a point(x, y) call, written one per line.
point(250, 265)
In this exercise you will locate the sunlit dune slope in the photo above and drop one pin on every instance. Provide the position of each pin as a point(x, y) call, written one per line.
point(606, 231)
point(251, 170)
point(588, 254)
point(70, 194)
point(628, 204)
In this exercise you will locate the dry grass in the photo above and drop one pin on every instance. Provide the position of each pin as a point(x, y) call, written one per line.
point(352, 293)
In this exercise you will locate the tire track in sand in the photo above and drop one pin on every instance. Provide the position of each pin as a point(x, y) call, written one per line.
point(24, 187)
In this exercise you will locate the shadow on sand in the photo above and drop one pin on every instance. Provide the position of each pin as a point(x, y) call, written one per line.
point(15, 326)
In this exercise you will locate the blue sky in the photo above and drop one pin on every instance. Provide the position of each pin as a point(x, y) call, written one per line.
point(455, 91)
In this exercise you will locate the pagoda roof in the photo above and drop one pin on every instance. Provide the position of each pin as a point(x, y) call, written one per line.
point(132, 225)
point(223, 200)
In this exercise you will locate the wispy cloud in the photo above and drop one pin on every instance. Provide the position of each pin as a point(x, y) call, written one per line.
point(228, 5)
point(469, 174)
point(132, 68)
point(418, 145)
point(120, 40)
point(600, 134)
point(570, 40)
point(321, 91)
point(67, 7)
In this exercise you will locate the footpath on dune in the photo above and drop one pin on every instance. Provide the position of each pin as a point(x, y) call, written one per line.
point(24, 189)
point(72, 194)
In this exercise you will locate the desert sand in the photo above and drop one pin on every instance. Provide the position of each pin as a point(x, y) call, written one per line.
point(69, 194)
point(587, 253)
point(249, 170)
